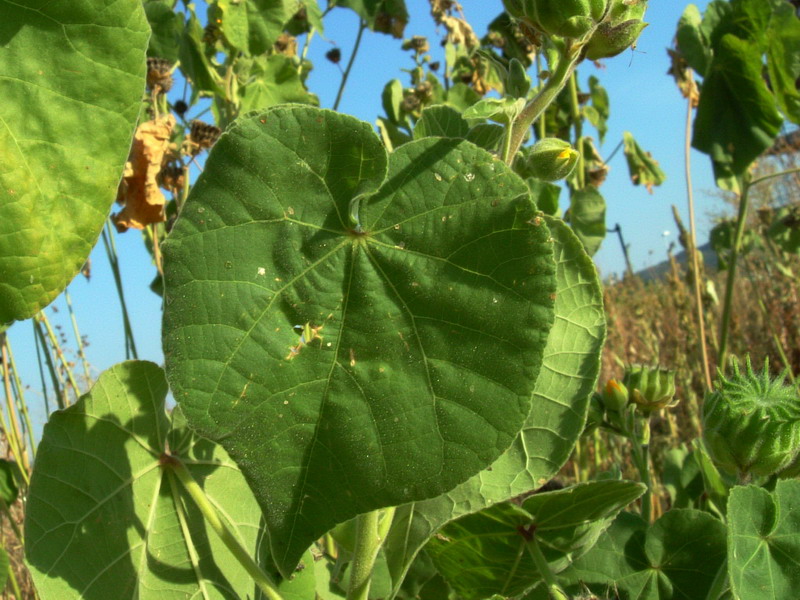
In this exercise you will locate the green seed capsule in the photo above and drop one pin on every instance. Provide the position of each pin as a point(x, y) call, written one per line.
point(615, 395)
point(551, 159)
point(650, 388)
point(566, 18)
point(619, 30)
point(751, 425)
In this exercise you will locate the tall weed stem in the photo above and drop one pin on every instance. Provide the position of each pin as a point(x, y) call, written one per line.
point(698, 299)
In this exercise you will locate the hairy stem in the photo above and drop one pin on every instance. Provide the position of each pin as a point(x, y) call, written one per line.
point(371, 531)
point(545, 571)
point(261, 579)
point(566, 65)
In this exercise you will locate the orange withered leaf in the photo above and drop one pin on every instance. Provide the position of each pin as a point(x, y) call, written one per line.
point(142, 200)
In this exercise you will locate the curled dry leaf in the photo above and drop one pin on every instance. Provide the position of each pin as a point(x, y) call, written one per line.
point(142, 200)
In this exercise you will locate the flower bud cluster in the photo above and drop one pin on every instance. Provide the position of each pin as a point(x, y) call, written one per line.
point(606, 27)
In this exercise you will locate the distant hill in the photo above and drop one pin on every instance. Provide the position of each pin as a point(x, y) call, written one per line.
point(661, 269)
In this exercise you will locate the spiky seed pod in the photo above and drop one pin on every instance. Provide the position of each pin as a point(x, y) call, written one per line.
point(551, 159)
point(159, 75)
point(565, 18)
point(751, 424)
point(650, 388)
point(619, 30)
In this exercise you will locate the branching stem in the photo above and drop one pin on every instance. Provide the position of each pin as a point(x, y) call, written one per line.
point(558, 79)
point(261, 579)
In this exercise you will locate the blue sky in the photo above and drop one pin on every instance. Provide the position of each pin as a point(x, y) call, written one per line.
point(644, 100)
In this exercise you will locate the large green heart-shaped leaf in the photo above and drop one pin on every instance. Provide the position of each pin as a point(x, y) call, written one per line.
point(783, 58)
point(103, 519)
point(676, 558)
point(348, 368)
point(568, 376)
point(764, 541)
point(489, 552)
point(737, 118)
point(71, 79)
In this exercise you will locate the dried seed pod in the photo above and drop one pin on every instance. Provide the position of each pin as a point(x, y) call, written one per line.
point(334, 55)
point(159, 75)
point(751, 424)
point(202, 135)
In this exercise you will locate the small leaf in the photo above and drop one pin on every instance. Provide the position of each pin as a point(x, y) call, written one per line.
point(500, 110)
point(258, 23)
point(643, 168)
point(441, 121)
point(273, 80)
point(384, 16)
point(403, 275)
point(194, 62)
point(764, 541)
point(9, 472)
point(676, 558)
point(692, 41)
point(486, 553)
point(737, 118)
point(166, 26)
point(124, 527)
point(486, 136)
point(392, 99)
point(600, 104)
point(460, 96)
point(76, 72)
point(587, 215)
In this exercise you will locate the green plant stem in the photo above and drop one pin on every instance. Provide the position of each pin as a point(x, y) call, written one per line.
point(575, 110)
point(698, 299)
point(38, 345)
point(720, 583)
point(536, 107)
point(741, 220)
point(641, 457)
point(58, 384)
point(361, 27)
point(371, 531)
point(14, 527)
point(78, 338)
point(113, 259)
point(22, 405)
point(12, 429)
point(42, 316)
point(746, 184)
point(12, 578)
point(542, 122)
point(261, 579)
point(614, 152)
point(545, 571)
